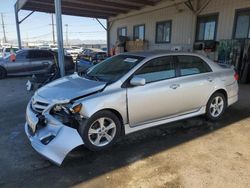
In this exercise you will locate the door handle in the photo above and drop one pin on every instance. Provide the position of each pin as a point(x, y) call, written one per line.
point(175, 86)
point(210, 79)
point(45, 63)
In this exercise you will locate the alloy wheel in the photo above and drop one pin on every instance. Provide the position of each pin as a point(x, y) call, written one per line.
point(102, 131)
point(217, 106)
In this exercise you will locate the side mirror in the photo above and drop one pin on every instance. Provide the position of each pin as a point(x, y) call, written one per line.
point(137, 81)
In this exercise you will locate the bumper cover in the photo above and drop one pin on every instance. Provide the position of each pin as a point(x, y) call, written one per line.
point(64, 139)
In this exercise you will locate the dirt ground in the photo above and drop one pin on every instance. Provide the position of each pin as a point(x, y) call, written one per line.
point(190, 153)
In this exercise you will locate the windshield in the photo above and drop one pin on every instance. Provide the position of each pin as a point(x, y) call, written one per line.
point(112, 69)
point(7, 50)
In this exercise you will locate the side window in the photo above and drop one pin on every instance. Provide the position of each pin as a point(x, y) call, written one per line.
point(47, 55)
point(158, 69)
point(33, 54)
point(190, 65)
point(39, 54)
point(22, 56)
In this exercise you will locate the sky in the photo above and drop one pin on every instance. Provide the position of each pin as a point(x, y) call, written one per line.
point(37, 26)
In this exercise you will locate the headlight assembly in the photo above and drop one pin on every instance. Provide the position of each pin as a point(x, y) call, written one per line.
point(57, 108)
point(67, 108)
point(61, 108)
point(76, 109)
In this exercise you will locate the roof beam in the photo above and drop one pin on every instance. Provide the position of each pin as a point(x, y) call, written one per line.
point(138, 3)
point(103, 4)
point(67, 12)
point(66, 5)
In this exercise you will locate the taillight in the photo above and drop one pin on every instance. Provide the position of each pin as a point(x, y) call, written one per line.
point(236, 76)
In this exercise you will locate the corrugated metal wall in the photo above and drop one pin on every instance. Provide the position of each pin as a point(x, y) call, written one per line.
point(183, 21)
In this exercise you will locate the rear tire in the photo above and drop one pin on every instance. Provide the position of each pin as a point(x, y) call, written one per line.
point(100, 131)
point(3, 73)
point(216, 106)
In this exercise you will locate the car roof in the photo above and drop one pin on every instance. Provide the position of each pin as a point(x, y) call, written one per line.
point(35, 49)
point(10, 47)
point(159, 53)
point(94, 49)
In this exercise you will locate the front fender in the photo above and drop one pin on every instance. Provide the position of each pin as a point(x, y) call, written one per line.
point(115, 100)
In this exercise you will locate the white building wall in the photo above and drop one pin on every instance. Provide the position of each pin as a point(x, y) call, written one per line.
point(183, 21)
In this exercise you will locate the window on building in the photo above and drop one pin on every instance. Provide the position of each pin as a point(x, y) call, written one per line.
point(242, 30)
point(163, 32)
point(139, 32)
point(161, 68)
point(190, 65)
point(122, 31)
point(206, 28)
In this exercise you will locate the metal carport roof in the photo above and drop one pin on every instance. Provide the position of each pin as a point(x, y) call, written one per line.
point(86, 8)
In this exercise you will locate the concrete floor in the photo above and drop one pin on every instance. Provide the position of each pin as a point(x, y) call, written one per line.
point(190, 153)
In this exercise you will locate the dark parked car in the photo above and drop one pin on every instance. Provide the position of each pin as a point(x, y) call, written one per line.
point(93, 55)
point(32, 61)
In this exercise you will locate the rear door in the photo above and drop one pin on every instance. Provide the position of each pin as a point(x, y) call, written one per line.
point(195, 83)
point(41, 61)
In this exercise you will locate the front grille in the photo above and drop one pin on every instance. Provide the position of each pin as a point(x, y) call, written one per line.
point(38, 106)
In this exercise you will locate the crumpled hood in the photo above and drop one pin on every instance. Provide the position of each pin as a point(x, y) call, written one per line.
point(69, 87)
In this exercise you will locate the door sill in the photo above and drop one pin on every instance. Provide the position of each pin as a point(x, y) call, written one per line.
point(129, 129)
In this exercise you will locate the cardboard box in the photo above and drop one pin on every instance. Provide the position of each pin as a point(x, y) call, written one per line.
point(138, 45)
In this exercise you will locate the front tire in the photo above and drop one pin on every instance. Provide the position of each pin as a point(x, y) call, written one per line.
point(216, 106)
point(100, 131)
point(3, 73)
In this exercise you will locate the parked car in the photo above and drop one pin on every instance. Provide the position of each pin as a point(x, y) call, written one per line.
point(124, 94)
point(31, 61)
point(73, 52)
point(1, 53)
point(105, 49)
point(7, 50)
point(93, 55)
point(44, 47)
point(77, 49)
point(56, 50)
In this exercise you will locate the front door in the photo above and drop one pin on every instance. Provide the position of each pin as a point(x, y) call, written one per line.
point(21, 65)
point(156, 99)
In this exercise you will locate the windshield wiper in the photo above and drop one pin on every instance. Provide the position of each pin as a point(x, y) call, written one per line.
point(92, 77)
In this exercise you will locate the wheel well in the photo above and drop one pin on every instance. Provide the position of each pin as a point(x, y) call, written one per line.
point(222, 91)
point(1, 67)
point(119, 117)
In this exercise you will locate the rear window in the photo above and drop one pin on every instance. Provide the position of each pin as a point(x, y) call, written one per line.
point(8, 49)
point(190, 65)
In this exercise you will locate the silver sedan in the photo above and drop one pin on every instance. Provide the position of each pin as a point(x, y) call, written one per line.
point(124, 94)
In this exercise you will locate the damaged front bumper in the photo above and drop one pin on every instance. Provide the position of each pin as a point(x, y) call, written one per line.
point(54, 140)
